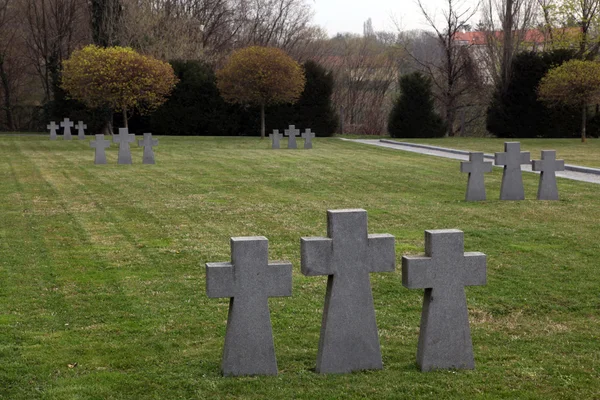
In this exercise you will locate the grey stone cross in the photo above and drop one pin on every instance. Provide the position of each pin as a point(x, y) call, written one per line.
point(307, 135)
point(249, 280)
point(349, 339)
point(100, 144)
point(548, 165)
point(124, 138)
point(476, 167)
point(512, 179)
point(148, 143)
point(81, 127)
point(291, 132)
point(66, 125)
point(445, 337)
point(275, 137)
point(53, 127)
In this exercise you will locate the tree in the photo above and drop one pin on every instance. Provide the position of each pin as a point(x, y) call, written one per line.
point(117, 78)
point(260, 76)
point(413, 114)
point(574, 83)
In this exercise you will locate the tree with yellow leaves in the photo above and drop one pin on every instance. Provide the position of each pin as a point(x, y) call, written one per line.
point(117, 78)
point(260, 76)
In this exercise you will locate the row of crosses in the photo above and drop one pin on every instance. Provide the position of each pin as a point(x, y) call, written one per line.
point(66, 124)
point(512, 180)
point(291, 133)
point(124, 138)
point(349, 340)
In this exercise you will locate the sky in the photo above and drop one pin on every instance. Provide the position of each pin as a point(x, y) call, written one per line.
point(349, 15)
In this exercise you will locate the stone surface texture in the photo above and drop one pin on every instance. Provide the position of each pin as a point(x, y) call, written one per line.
point(124, 138)
point(308, 136)
point(66, 125)
point(349, 340)
point(291, 133)
point(81, 127)
point(249, 280)
point(475, 167)
point(548, 165)
point(52, 127)
point(445, 336)
point(148, 144)
point(275, 138)
point(512, 178)
point(100, 144)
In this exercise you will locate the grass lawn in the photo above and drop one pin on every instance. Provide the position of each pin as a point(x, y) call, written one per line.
point(102, 289)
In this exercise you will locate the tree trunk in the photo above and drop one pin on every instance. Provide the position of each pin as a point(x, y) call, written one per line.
point(7, 100)
point(262, 121)
point(125, 117)
point(507, 43)
point(583, 121)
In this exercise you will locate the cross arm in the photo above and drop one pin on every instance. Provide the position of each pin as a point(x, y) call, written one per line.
point(416, 272)
point(279, 279)
point(466, 166)
point(525, 157)
point(220, 280)
point(475, 271)
point(500, 158)
point(382, 253)
point(316, 255)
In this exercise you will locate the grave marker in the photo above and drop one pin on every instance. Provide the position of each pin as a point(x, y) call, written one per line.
point(445, 336)
point(548, 165)
point(100, 144)
point(124, 138)
point(275, 137)
point(249, 280)
point(349, 340)
point(512, 178)
point(148, 143)
point(292, 132)
point(66, 125)
point(307, 135)
point(476, 167)
point(81, 127)
point(53, 127)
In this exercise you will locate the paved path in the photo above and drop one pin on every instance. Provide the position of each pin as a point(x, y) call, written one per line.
point(574, 172)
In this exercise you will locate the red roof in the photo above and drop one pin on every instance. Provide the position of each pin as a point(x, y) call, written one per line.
point(478, 37)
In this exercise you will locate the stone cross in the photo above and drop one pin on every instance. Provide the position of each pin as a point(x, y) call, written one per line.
point(512, 179)
point(275, 137)
point(349, 340)
point(476, 167)
point(249, 280)
point(291, 132)
point(445, 337)
point(548, 165)
point(53, 127)
point(81, 127)
point(66, 125)
point(308, 136)
point(124, 138)
point(148, 143)
point(100, 144)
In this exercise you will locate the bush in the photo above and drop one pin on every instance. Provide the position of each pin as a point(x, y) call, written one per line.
point(413, 114)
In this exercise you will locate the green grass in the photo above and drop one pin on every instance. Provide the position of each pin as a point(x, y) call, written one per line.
point(102, 271)
point(573, 151)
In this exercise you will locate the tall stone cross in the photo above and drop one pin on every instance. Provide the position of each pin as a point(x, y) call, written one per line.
point(475, 167)
point(124, 138)
point(445, 337)
point(52, 127)
point(148, 143)
point(349, 339)
point(66, 125)
point(249, 280)
point(307, 135)
point(548, 165)
point(100, 144)
point(81, 127)
point(512, 179)
point(291, 132)
point(275, 137)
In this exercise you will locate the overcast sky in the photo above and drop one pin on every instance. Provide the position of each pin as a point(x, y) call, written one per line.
point(349, 15)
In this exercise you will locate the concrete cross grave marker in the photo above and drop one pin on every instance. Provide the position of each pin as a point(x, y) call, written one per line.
point(81, 127)
point(548, 165)
point(275, 137)
point(292, 132)
point(249, 280)
point(512, 178)
point(148, 143)
point(100, 144)
point(445, 336)
point(124, 138)
point(307, 135)
point(475, 167)
point(52, 127)
point(66, 125)
point(349, 340)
